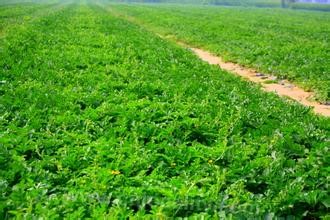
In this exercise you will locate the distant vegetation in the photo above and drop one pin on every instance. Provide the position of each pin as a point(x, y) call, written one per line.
point(252, 3)
point(5, 2)
point(216, 2)
point(246, 3)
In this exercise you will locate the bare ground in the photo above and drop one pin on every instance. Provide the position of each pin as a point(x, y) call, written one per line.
point(283, 88)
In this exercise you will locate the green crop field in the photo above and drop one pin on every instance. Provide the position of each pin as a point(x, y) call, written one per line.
point(102, 119)
point(290, 44)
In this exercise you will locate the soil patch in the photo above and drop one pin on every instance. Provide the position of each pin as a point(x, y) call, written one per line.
point(268, 82)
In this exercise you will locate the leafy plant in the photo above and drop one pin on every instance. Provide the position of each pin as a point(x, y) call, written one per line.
point(102, 119)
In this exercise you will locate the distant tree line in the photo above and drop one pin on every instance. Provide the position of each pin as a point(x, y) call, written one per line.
point(294, 4)
point(215, 2)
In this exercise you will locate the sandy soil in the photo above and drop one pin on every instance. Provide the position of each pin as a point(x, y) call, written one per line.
point(283, 88)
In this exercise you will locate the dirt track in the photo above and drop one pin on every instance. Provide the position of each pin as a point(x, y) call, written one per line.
point(283, 88)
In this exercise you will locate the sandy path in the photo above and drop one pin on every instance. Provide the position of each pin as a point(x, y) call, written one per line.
point(284, 88)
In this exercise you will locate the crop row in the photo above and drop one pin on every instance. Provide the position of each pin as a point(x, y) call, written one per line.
point(18, 14)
